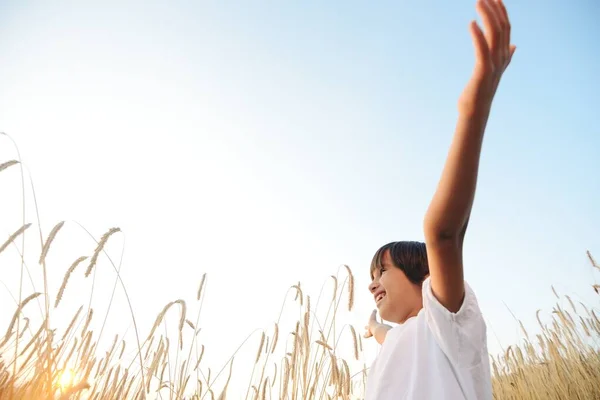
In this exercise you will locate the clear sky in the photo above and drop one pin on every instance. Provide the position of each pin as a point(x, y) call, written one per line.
point(267, 143)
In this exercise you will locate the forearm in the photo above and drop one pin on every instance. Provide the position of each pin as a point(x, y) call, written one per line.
point(451, 205)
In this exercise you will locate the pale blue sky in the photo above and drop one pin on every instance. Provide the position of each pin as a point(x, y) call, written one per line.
point(272, 140)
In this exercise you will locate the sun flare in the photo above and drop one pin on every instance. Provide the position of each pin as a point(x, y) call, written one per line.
point(65, 379)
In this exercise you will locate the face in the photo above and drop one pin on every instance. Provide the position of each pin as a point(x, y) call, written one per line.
point(396, 297)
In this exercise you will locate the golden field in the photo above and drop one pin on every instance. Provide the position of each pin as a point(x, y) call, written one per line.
point(317, 356)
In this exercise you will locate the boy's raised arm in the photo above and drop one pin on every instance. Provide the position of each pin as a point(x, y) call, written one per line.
point(446, 219)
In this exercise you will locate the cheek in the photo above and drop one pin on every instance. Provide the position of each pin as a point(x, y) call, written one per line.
point(389, 281)
point(384, 281)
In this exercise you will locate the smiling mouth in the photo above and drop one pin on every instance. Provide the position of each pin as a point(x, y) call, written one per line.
point(379, 297)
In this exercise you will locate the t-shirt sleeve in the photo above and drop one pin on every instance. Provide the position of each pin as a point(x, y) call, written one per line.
point(461, 335)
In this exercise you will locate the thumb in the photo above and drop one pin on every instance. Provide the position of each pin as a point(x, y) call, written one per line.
point(512, 50)
point(374, 316)
point(482, 51)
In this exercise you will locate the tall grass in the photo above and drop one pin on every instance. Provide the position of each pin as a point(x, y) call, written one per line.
point(307, 353)
point(300, 363)
point(561, 362)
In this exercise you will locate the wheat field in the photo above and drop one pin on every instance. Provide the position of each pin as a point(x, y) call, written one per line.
point(316, 356)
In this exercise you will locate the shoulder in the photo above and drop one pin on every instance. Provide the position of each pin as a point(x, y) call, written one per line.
point(461, 335)
point(469, 307)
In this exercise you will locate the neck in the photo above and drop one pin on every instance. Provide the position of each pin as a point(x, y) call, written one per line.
point(412, 314)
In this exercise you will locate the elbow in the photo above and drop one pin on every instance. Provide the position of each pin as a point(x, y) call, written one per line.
point(437, 231)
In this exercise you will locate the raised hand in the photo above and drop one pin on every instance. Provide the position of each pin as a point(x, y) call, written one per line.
point(376, 329)
point(371, 325)
point(493, 53)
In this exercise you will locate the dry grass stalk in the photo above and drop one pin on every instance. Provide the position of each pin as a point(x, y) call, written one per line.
point(275, 337)
point(223, 395)
point(260, 347)
point(9, 331)
point(354, 342)
point(334, 370)
point(190, 324)
point(149, 346)
point(87, 321)
point(201, 286)
point(335, 287)
point(66, 279)
point(49, 241)
point(305, 330)
point(592, 260)
point(199, 357)
point(350, 288)
point(161, 316)
point(14, 236)
point(25, 327)
point(72, 323)
point(7, 164)
point(299, 294)
point(99, 248)
point(286, 377)
point(347, 381)
point(122, 349)
point(264, 389)
point(295, 351)
point(325, 345)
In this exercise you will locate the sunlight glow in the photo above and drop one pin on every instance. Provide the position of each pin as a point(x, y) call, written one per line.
point(65, 379)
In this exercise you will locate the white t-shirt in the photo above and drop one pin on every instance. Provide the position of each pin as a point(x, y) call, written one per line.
point(435, 355)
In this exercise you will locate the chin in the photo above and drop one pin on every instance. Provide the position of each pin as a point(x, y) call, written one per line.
point(383, 313)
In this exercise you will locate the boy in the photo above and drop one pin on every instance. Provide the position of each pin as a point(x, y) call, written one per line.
point(438, 350)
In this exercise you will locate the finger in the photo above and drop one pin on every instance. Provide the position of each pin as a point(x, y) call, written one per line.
point(506, 20)
point(490, 23)
point(374, 316)
point(503, 37)
point(482, 51)
point(512, 50)
point(506, 30)
point(495, 30)
point(503, 9)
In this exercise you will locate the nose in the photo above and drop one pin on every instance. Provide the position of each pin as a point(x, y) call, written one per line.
point(373, 286)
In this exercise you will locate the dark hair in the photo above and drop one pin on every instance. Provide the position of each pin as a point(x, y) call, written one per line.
point(410, 257)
